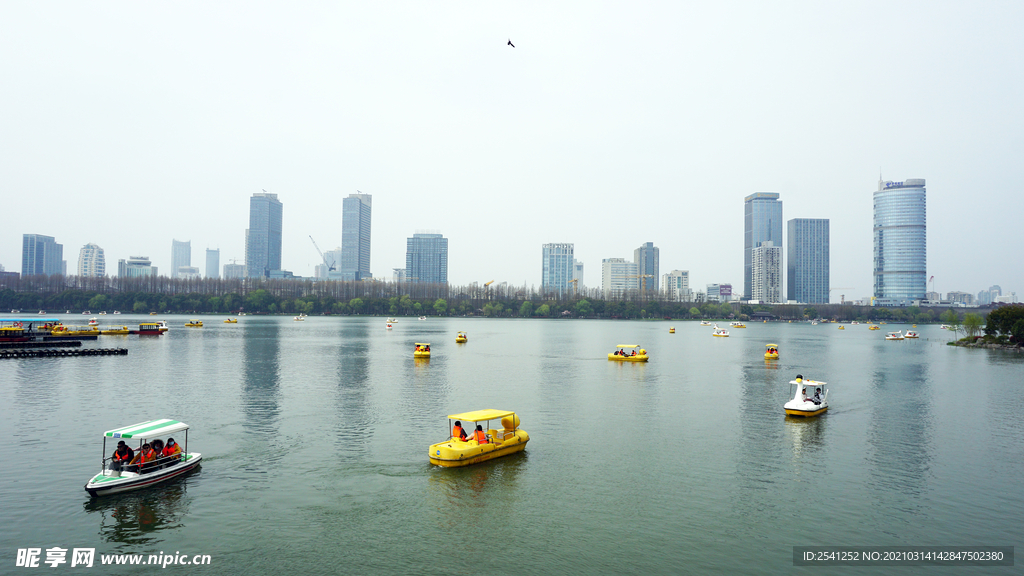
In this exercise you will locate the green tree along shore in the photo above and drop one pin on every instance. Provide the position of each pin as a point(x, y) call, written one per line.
point(261, 296)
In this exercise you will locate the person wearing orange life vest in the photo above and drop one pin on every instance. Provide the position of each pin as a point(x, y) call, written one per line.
point(172, 450)
point(122, 457)
point(479, 435)
point(145, 458)
point(457, 432)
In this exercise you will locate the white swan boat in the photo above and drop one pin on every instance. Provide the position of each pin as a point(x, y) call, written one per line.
point(720, 332)
point(115, 477)
point(810, 398)
point(894, 335)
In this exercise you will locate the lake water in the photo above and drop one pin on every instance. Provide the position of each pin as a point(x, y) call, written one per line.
point(314, 437)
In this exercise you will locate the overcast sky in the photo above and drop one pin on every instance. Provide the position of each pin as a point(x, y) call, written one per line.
point(610, 124)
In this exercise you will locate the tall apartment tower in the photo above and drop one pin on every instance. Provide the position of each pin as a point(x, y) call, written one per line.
point(355, 237)
point(426, 258)
point(181, 255)
point(899, 237)
point(577, 274)
point(766, 271)
point(557, 269)
point(91, 263)
point(646, 259)
point(41, 255)
point(807, 260)
point(618, 277)
point(136, 267)
point(762, 222)
point(213, 263)
point(676, 286)
point(263, 238)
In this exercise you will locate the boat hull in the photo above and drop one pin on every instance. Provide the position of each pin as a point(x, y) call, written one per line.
point(771, 356)
point(806, 413)
point(452, 453)
point(103, 485)
point(421, 354)
point(461, 340)
point(637, 358)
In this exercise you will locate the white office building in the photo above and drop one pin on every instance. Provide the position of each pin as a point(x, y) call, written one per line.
point(618, 277)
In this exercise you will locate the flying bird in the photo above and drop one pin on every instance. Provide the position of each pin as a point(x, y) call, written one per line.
point(510, 43)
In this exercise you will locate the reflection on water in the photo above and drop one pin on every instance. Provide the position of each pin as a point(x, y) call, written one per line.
point(352, 402)
point(135, 519)
point(261, 350)
point(466, 490)
point(807, 438)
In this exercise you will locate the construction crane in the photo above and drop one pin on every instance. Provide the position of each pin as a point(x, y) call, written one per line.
point(645, 277)
point(574, 282)
point(329, 264)
point(487, 290)
point(842, 297)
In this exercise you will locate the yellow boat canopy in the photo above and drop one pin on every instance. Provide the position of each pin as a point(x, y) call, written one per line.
point(627, 345)
point(481, 415)
point(422, 343)
point(771, 345)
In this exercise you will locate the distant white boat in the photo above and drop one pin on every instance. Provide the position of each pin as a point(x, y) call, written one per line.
point(116, 312)
point(423, 317)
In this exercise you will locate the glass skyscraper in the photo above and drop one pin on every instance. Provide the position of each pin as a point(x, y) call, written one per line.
point(355, 237)
point(213, 263)
point(263, 238)
point(426, 258)
point(557, 268)
point(899, 242)
point(41, 255)
point(807, 260)
point(646, 259)
point(762, 222)
point(181, 255)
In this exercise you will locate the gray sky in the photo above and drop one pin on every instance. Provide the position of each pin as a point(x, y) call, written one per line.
point(609, 124)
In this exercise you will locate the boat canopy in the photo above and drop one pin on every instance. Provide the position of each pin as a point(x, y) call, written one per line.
point(151, 429)
point(627, 345)
point(481, 415)
point(771, 345)
point(423, 343)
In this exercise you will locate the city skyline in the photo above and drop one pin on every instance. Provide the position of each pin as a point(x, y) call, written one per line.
point(688, 110)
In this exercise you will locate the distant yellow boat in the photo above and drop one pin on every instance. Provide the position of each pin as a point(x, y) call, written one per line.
point(621, 355)
point(422, 350)
point(461, 338)
point(771, 352)
point(194, 324)
point(672, 330)
point(231, 321)
point(114, 331)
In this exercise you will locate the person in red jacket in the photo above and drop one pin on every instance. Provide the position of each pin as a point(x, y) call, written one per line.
point(457, 432)
point(479, 435)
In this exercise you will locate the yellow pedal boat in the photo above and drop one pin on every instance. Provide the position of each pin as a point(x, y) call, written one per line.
point(194, 324)
point(623, 355)
point(456, 452)
point(461, 338)
point(114, 331)
point(873, 327)
point(422, 350)
point(672, 330)
point(231, 321)
point(771, 352)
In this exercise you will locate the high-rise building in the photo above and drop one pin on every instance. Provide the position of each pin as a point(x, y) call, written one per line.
point(899, 237)
point(91, 263)
point(676, 286)
point(426, 258)
point(188, 272)
point(807, 262)
point(577, 273)
point(263, 238)
point(557, 269)
point(135, 267)
point(355, 237)
point(212, 263)
point(766, 269)
point(234, 270)
point(618, 277)
point(989, 296)
point(961, 297)
point(41, 255)
point(646, 259)
point(398, 275)
point(762, 222)
point(181, 255)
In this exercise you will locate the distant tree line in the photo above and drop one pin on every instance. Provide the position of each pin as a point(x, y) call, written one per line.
point(292, 296)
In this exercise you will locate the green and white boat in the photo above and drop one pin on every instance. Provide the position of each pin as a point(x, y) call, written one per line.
point(114, 478)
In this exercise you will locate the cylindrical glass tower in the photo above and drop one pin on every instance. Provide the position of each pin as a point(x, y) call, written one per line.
point(900, 242)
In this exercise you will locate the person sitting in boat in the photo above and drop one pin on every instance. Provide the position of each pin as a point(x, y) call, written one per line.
point(457, 432)
point(145, 459)
point(817, 396)
point(172, 451)
point(122, 457)
point(634, 353)
point(479, 435)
